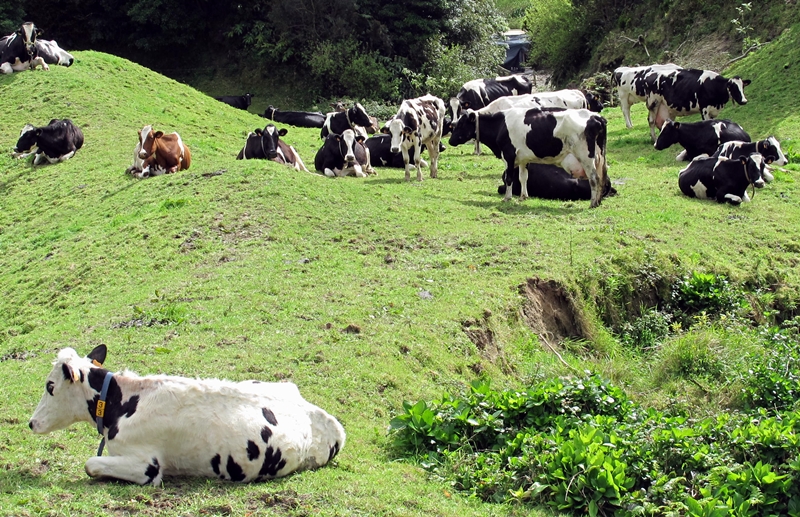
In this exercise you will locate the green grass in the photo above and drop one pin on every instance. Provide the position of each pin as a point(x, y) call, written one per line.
point(258, 271)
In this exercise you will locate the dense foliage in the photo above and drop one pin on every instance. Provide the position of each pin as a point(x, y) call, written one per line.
point(369, 49)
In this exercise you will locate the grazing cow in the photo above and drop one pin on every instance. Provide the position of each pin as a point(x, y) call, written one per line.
point(267, 145)
point(53, 54)
point(698, 137)
point(723, 179)
point(689, 91)
point(769, 148)
point(418, 122)
point(553, 182)
point(631, 82)
point(380, 154)
point(18, 51)
point(55, 142)
point(241, 102)
point(344, 155)
point(337, 122)
point(479, 93)
point(574, 139)
point(295, 118)
point(161, 153)
point(163, 425)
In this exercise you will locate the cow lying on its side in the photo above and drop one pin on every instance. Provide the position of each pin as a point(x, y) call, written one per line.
point(162, 425)
point(54, 142)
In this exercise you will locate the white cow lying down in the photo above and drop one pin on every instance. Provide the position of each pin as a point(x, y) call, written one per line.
point(165, 425)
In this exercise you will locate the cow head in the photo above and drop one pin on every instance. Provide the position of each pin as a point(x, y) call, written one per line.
point(144, 134)
point(350, 140)
point(248, 98)
point(736, 89)
point(770, 149)
point(66, 391)
point(668, 135)
point(269, 112)
point(27, 140)
point(399, 131)
point(357, 116)
point(28, 31)
point(754, 169)
point(269, 140)
point(465, 128)
point(593, 101)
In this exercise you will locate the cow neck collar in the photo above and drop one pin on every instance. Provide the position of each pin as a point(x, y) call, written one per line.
point(100, 411)
point(347, 115)
point(749, 182)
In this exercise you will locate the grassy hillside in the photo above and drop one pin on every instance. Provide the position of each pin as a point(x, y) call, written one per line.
point(359, 291)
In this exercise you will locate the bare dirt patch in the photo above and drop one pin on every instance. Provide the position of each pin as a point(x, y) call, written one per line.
point(550, 311)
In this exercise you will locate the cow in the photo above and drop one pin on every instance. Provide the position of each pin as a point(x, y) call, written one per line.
point(18, 51)
point(267, 145)
point(698, 138)
point(295, 118)
point(418, 122)
point(380, 154)
point(574, 139)
point(161, 153)
point(371, 129)
point(723, 179)
point(630, 83)
point(769, 148)
point(689, 91)
point(478, 93)
point(53, 54)
point(553, 182)
point(163, 425)
point(337, 122)
point(241, 102)
point(56, 142)
point(344, 155)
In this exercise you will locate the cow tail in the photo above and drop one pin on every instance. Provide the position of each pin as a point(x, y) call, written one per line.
point(600, 149)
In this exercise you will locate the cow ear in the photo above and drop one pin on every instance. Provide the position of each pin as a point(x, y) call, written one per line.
point(360, 139)
point(676, 125)
point(158, 134)
point(465, 105)
point(385, 130)
point(743, 159)
point(746, 82)
point(283, 132)
point(471, 116)
point(258, 131)
point(98, 355)
point(69, 373)
point(38, 131)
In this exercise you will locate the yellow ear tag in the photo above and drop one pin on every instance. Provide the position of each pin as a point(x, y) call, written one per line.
point(76, 376)
point(97, 363)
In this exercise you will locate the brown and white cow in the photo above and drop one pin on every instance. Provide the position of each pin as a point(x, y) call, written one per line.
point(418, 121)
point(267, 145)
point(157, 153)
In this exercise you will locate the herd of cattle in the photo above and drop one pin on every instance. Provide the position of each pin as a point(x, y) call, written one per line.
point(553, 145)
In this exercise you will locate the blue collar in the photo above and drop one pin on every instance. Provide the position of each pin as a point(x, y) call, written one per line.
point(101, 410)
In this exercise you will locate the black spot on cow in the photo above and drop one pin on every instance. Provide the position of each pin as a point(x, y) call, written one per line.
point(333, 451)
point(270, 416)
point(540, 138)
point(266, 434)
point(234, 470)
point(115, 409)
point(152, 470)
point(215, 461)
point(252, 450)
point(273, 462)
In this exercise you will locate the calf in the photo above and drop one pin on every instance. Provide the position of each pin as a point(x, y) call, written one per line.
point(574, 139)
point(418, 122)
point(161, 425)
point(18, 51)
point(162, 153)
point(295, 118)
point(241, 102)
point(553, 182)
point(53, 54)
point(723, 179)
point(55, 142)
point(631, 87)
point(268, 145)
point(380, 154)
point(344, 155)
point(769, 148)
point(698, 137)
point(338, 121)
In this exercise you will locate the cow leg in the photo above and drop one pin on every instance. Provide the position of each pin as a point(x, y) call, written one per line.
point(298, 163)
point(508, 178)
point(626, 110)
point(64, 157)
point(523, 181)
point(433, 152)
point(127, 468)
point(39, 61)
point(417, 157)
point(730, 198)
point(39, 158)
point(6, 68)
point(404, 152)
point(329, 173)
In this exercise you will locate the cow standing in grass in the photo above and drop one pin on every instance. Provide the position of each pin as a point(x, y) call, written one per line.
point(418, 122)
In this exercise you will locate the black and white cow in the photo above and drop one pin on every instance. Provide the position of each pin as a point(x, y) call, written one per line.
point(18, 51)
point(337, 122)
point(241, 102)
point(769, 148)
point(478, 93)
point(295, 118)
point(381, 155)
point(53, 54)
point(344, 155)
point(267, 145)
point(631, 82)
point(553, 182)
point(689, 91)
point(573, 139)
point(698, 137)
point(56, 142)
point(723, 179)
point(418, 122)
point(162, 425)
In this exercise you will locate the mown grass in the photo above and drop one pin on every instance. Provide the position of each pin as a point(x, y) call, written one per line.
point(356, 290)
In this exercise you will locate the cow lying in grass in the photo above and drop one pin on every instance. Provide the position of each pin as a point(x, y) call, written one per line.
point(162, 425)
point(722, 179)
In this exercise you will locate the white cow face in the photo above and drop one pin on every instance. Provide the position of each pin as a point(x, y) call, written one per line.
point(27, 141)
point(398, 130)
point(65, 393)
point(736, 89)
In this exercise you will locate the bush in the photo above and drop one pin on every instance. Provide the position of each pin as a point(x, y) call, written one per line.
point(560, 27)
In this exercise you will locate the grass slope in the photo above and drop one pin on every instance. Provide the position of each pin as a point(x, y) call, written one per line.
point(356, 290)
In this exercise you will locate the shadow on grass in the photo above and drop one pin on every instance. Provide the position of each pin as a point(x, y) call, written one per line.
point(131, 182)
point(5, 185)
